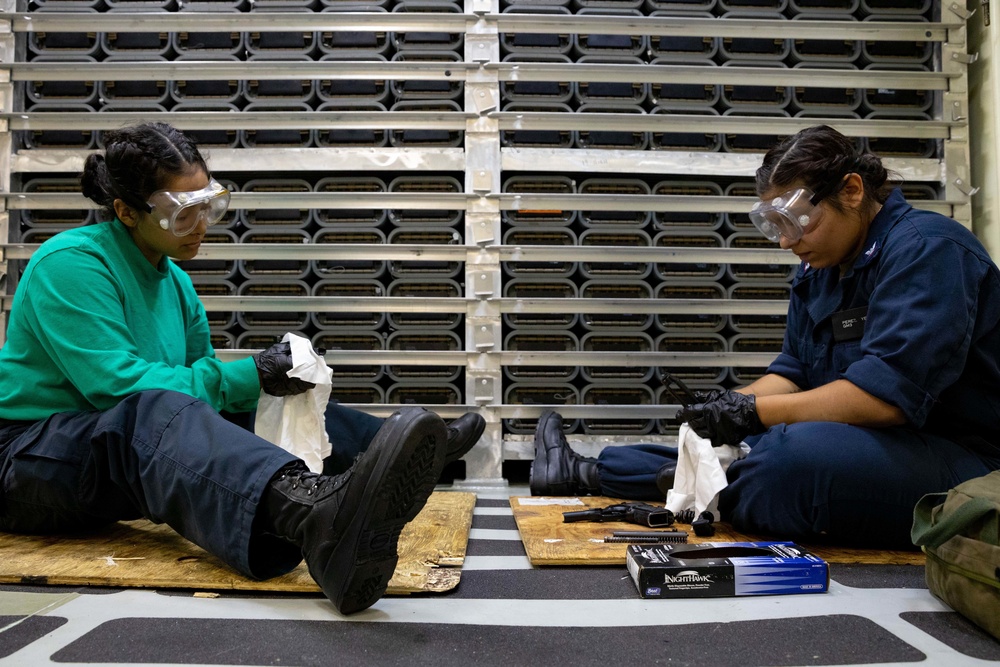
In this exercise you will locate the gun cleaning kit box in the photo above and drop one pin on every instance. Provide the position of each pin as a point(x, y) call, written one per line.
point(725, 569)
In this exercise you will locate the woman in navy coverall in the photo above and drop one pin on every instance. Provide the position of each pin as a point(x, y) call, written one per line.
point(888, 383)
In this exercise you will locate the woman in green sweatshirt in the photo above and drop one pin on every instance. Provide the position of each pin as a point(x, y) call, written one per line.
point(110, 395)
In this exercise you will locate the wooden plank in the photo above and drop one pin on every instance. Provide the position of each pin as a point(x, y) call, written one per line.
point(549, 541)
point(432, 546)
point(145, 555)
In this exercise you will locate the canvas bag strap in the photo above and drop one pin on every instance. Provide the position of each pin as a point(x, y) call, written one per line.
point(927, 533)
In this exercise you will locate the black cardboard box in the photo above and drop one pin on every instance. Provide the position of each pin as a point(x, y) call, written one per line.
point(725, 569)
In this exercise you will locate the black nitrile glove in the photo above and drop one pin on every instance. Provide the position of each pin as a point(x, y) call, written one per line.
point(684, 395)
point(708, 396)
point(273, 365)
point(726, 419)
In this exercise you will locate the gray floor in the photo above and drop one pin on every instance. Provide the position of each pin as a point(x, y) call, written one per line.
point(504, 612)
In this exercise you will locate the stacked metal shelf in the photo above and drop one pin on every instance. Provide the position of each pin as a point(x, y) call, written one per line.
point(495, 206)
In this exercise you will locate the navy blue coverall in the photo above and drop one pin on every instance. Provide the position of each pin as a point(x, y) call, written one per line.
point(927, 296)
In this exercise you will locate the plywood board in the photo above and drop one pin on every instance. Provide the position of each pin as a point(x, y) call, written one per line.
point(145, 555)
point(549, 541)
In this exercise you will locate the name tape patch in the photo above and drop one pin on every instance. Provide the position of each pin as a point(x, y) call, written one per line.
point(849, 324)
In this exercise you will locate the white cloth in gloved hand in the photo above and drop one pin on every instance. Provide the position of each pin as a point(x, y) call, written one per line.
point(297, 423)
point(701, 472)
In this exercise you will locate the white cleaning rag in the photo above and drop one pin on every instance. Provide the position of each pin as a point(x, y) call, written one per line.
point(701, 472)
point(298, 423)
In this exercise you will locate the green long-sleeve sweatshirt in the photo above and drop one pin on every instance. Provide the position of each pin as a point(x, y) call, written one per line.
point(93, 322)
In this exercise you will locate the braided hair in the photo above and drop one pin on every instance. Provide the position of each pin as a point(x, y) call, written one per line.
point(819, 155)
point(137, 161)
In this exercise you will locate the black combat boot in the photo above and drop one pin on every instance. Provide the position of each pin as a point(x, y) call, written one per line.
point(557, 470)
point(348, 525)
point(463, 434)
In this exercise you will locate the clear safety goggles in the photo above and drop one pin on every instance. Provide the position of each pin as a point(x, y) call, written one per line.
point(183, 212)
point(786, 215)
point(790, 214)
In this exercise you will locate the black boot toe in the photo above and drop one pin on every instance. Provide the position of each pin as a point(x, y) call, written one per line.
point(463, 434)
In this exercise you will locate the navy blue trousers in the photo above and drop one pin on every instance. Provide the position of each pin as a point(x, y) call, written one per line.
point(630, 472)
point(819, 480)
point(163, 456)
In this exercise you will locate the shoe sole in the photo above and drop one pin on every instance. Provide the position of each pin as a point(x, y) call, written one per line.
point(396, 490)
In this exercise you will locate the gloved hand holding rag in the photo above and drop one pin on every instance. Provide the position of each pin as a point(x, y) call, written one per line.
point(295, 389)
point(724, 417)
point(710, 438)
point(273, 365)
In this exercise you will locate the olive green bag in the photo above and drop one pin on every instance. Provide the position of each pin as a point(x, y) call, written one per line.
point(960, 533)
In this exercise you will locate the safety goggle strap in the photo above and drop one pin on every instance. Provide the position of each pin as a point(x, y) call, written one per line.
point(834, 185)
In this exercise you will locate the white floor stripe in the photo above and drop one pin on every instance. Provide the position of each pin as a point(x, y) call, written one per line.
point(17, 603)
point(494, 534)
point(496, 563)
point(870, 603)
point(492, 511)
point(504, 494)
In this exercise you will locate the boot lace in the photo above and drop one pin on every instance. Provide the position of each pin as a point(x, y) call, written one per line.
point(310, 481)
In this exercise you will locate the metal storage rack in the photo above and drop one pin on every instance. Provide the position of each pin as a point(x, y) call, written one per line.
point(492, 206)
